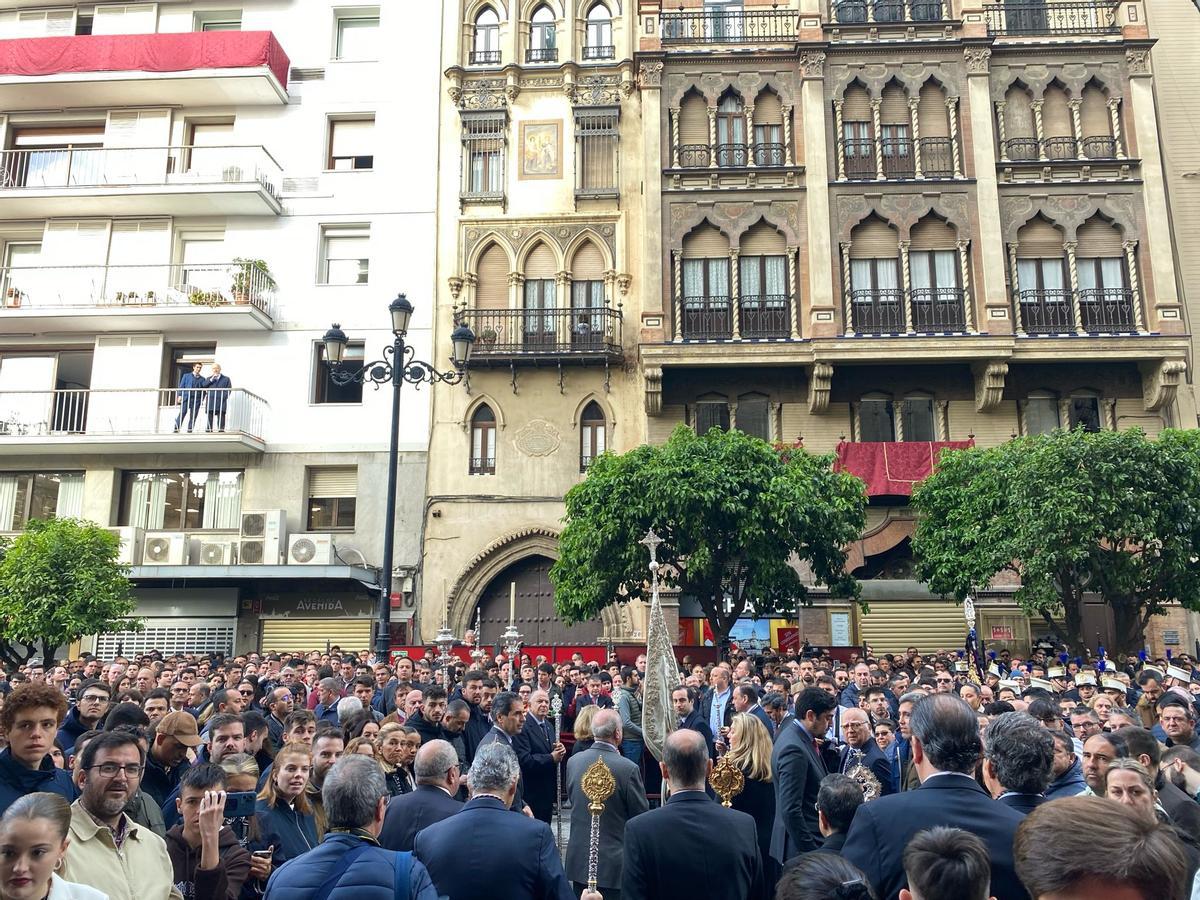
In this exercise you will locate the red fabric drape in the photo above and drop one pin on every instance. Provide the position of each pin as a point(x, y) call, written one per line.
point(892, 468)
point(175, 52)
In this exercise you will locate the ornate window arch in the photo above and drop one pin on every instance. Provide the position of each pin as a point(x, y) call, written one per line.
point(483, 441)
point(593, 434)
point(485, 38)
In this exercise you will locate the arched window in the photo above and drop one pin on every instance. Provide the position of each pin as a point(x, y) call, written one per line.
point(876, 418)
point(593, 434)
point(599, 43)
point(876, 299)
point(486, 48)
point(858, 137)
point(1083, 411)
point(1041, 413)
point(1105, 299)
point(707, 313)
point(753, 416)
point(1044, 294)
point(543, 34)
point(896, 129)
point(731, 131)
point(483, 442)
point(916, 419)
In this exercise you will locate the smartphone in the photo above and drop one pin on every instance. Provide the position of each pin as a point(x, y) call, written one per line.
point(240, 804)
point(263, 854)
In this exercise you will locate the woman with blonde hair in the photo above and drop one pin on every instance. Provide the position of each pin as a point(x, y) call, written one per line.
point(394, 745)
point(363, 745)
point(1102, 705)
point(583, 729)
point(33, 841)
point(750, 750)
point(283, 809)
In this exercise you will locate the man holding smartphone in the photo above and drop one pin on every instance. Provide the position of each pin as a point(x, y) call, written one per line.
point(207, 860)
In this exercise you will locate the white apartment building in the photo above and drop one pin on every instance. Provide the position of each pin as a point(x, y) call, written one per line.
point(151, 154)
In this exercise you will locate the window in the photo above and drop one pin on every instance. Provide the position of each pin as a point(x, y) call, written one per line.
point(587, 313)
point(1041, 414)
point(486, 49)
point(879, 277)
point(345, 254)
point(596, 136)
point(332, 497)
point(897, 151)
point(36, 495)
point(181, 501)
point(17, 284)
point(711, 414)
point(180, 361)
point(916, 419)
point(1084, 412)
point(543, 34)
point(933, 269)
point(218, 20)
point(858, 149)
point(876, 420)
point(357, 35)
point(599, 43)
point(325, 389)
point(540, 309)
point(483, 154)
point(351, 144)
point(754, 416)
point(768, 145)
point(731, 131)
point(483, 442)
point(706, 308)
point(592, 436)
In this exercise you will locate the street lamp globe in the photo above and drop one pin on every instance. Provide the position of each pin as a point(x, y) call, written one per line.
point(335, 345)
point(401, 311)
point(463, 341)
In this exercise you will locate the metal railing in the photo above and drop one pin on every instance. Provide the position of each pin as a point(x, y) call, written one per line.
point(769, 154)
point(694, 156)
point(1021, 148)
point(888, 10)
point(764, 316)
point(729, 27)
point(481, 465)
point(1021, 17)
point(897, 158)
point(1107, 310)
point(937, 157)
point(600, 51)
point(937, 309)
point(858, 157)
point(859, 12)
point(519, 332)
point(879, 311)
point(707, 318)
point(484, 58)
point(731, 155)
point(1047, 311)
point(133, 412)
point(1100, 147)
point(142, 286)
point(541, 54)
point(70, 167)
point(1059, 148)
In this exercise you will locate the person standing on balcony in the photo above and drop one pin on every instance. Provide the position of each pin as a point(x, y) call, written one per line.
point(191, 394)
point(218, 397)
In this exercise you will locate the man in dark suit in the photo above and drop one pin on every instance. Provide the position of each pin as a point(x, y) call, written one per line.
point(683, 699)
point(692, 846)
point(508, 717)
point(720, 696)
point(627, 801)
point(945, 749)
point(861, 749)
point(796, 763)
point(1018, 761)
point(433, 800)
point(484, 851)
point(191, 396)
point(539, 753)
point(745, 700)
point(217, 400)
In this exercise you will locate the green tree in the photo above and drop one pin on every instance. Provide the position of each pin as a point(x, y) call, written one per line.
point(733, 513)
point(60, 580)
point(1110, 514)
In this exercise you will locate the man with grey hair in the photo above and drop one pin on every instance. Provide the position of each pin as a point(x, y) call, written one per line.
point(1018, 761)
point(355, 797)
point(513, 856)
point(328, 693)
point(438, 774)
point(346, 707)
point(627, 801)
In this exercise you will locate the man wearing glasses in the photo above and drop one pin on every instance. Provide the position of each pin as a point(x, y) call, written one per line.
point(109, 851)
point(90, 708)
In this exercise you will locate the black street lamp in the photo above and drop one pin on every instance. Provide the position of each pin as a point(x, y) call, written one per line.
point(397, 367)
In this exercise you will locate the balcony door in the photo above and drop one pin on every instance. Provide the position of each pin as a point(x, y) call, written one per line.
point(53, 157)
point(203, 276)
point(875, 295)
point(539, 311)
point(706, 313)
point(206, 151)
point(1045, 300)
point(731, 131)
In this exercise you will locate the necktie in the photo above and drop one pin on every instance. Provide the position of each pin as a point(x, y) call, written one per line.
point(546, 731)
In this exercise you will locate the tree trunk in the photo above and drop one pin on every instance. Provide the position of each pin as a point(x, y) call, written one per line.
point(1129, 626)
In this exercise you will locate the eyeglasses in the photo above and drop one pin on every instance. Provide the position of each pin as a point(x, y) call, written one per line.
point(110, 770)
point(246, 693)
point(94, 698)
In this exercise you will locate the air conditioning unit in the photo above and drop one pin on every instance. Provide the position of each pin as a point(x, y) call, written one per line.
point(310, 550)
point(217, 553)
point(165, 548)
point(130, 550)
point(263, 534)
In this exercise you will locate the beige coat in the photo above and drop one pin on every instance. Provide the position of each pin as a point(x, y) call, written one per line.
point(140, 870)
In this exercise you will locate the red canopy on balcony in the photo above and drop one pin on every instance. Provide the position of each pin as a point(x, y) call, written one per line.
point(892, 467)
point(172, 52)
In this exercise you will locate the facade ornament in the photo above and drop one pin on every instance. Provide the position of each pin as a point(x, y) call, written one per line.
point(977, 59)
point(1160, 382)
point(486, 93)
point(538, 438)
point(820, 383)
point(624, 281)
point(1138, 60)
point(989, 384)
point(653, 376)
point(627, 81)
point(596, 90)
point(650, 74)
point(456, 286)
point(812, 64)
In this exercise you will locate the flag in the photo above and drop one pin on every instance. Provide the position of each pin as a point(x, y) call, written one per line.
point(662, 677)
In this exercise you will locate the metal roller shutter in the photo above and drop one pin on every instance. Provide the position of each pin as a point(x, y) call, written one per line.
point(588, 264)
point(894, 109)
point(1039, 239)
point(540, 263)
point(933, 234)
point(705, 242)
point(857, 106)
point(1018, 114)
point(932, 115)
point(768, 110)
point(491, 292)
point(170, 636)
point(1098, 238)
point(333, 481)
point(893, 626)
point(1056, 115)
point(1093, 114)
point(351, 635)
point(873, 239)
point(763, 240)
point(693, 121)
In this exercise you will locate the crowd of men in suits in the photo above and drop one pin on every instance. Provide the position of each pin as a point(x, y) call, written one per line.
point(871, 777)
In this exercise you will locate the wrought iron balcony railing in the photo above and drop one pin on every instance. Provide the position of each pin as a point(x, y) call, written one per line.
point(858, 12)
point(694, 156)
point(937, 157)
point(898, 159)
point(731, 155)
point(769, 154)
point(1107, 310)
point(541, 54)
point(1021, 148)
point(484, 58)
point(1100, 147)
point(879, 311)
point(1047, 311)
point(729, 27)
point(764, 316)
point(707, 318)
point(937, 309)
point(1059, 148)
point(600, 51)
point(1035, 18)
point(858, 157)
point(545, 332)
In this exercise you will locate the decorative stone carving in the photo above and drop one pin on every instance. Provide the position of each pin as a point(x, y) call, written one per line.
point(1069, 211)
point(543, 82)
point(556, 232)
point(1138, 60)
point(486, 93)
point(1160, 382)
point(653, 376)
point(989, 384)
point(820, 383)
point(456, 286)
point(977, 60)
point(538, 438)
point(812, 64)
point(624, 281)
point(650, 74)
point(597, 90)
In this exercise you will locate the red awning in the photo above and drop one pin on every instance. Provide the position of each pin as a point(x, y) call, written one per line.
point(893, 467)
point(172, 52)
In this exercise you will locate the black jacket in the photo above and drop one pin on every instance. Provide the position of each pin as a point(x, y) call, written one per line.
point(882, 829)
point(492, 737)
point(697, 722)
point(692, 847)
point(16, 781)
point(1022, 803)
point(428, 731)
point(537, 767)
point(1183, 811)
point(757, 800)
point(160, 782)
point(798, 770)
point(875, 760)
point(409, 813)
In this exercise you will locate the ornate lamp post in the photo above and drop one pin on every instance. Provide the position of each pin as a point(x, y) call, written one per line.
point(397, 366)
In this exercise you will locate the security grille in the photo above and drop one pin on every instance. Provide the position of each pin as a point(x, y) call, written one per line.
point(169, 639)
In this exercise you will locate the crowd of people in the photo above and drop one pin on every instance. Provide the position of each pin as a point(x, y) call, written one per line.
point(320, 776)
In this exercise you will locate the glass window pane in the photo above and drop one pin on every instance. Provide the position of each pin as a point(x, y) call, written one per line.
point(1085, 412)
point(1041, 415)
point(346, 259)
point(712, 415)
point(328, 391)
point(320, 514)
point(345, 512)
point(358, 38)
point(918, 419)
point(44, 498)
point(753, 418)
point(875, 417)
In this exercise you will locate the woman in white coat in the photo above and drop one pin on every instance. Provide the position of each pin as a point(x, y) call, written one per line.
point(33, 842)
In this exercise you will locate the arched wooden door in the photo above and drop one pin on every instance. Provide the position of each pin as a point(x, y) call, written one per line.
point(535, 615)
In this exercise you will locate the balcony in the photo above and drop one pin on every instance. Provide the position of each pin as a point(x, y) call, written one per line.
point(484, 58)
point(771, 26)
point(138, 181)
point(937, 310)
point(861, 12)
point(88, 299)
point(937, 157)
point(707, 318)
point(598, 52)
point(1102, 310)
point(1038, 19)
point(765, 317)
point(517, 337)
point(879, 311)
point(1059, 149)
point(898, 159)
point(541, 55)
point(189, 69)
point(129, 420)
point(731, 156)
point(858, 159)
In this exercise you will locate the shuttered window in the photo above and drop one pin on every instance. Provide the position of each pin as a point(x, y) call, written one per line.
point(293, 634)
point(710, 414)
point(1018, 115)
point(873, 239)
point(1056, 114)
point(351, 144)
point(1039, 238)
point(172, 637)
point(596, 136)
point(768, 110)
point(933, 234)
point(705, 241)
point(1098, 238)
point(1093, 113)
point(332, 497)
point(345, 254)
point(932, 115)
point(763, 240)
point(892, 626)
point(857, 106)
point(588, 263)
point(491, 289)
point(540, 263)
point(754, 416)
point(894, 108)
point(693, 121)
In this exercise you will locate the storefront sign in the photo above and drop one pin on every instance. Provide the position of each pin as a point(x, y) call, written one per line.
point(331, 605)
point(1002, 633)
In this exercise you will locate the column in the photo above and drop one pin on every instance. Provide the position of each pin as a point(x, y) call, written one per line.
point(787, 135)
point(996, 309)
point(847, 304)
point(675, 137)
point(1108, 406)
point(794, 291)
point(855, 419)
point(913, 102)
point(943, 419)
point(822, 258)
point(839, 139)
point(1038, 131)
point(1000, 106)
point(964, 274)
point(653, 290)
point(712, 137)
point(1139, 320)
point(1114, 116)
point(735, 301)
point(906, 287)
point(677, 257)
point(955, 151)
point(516, 285)
point(1016, 289)
point(1077, 126)
point(562, 307)
point(749, 111)
point(1073, 272)
point(876, 103)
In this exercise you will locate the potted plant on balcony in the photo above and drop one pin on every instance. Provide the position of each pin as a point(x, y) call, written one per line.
point(205, 298)
point(488, 336)
point(13, 297)
point(250, 279)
